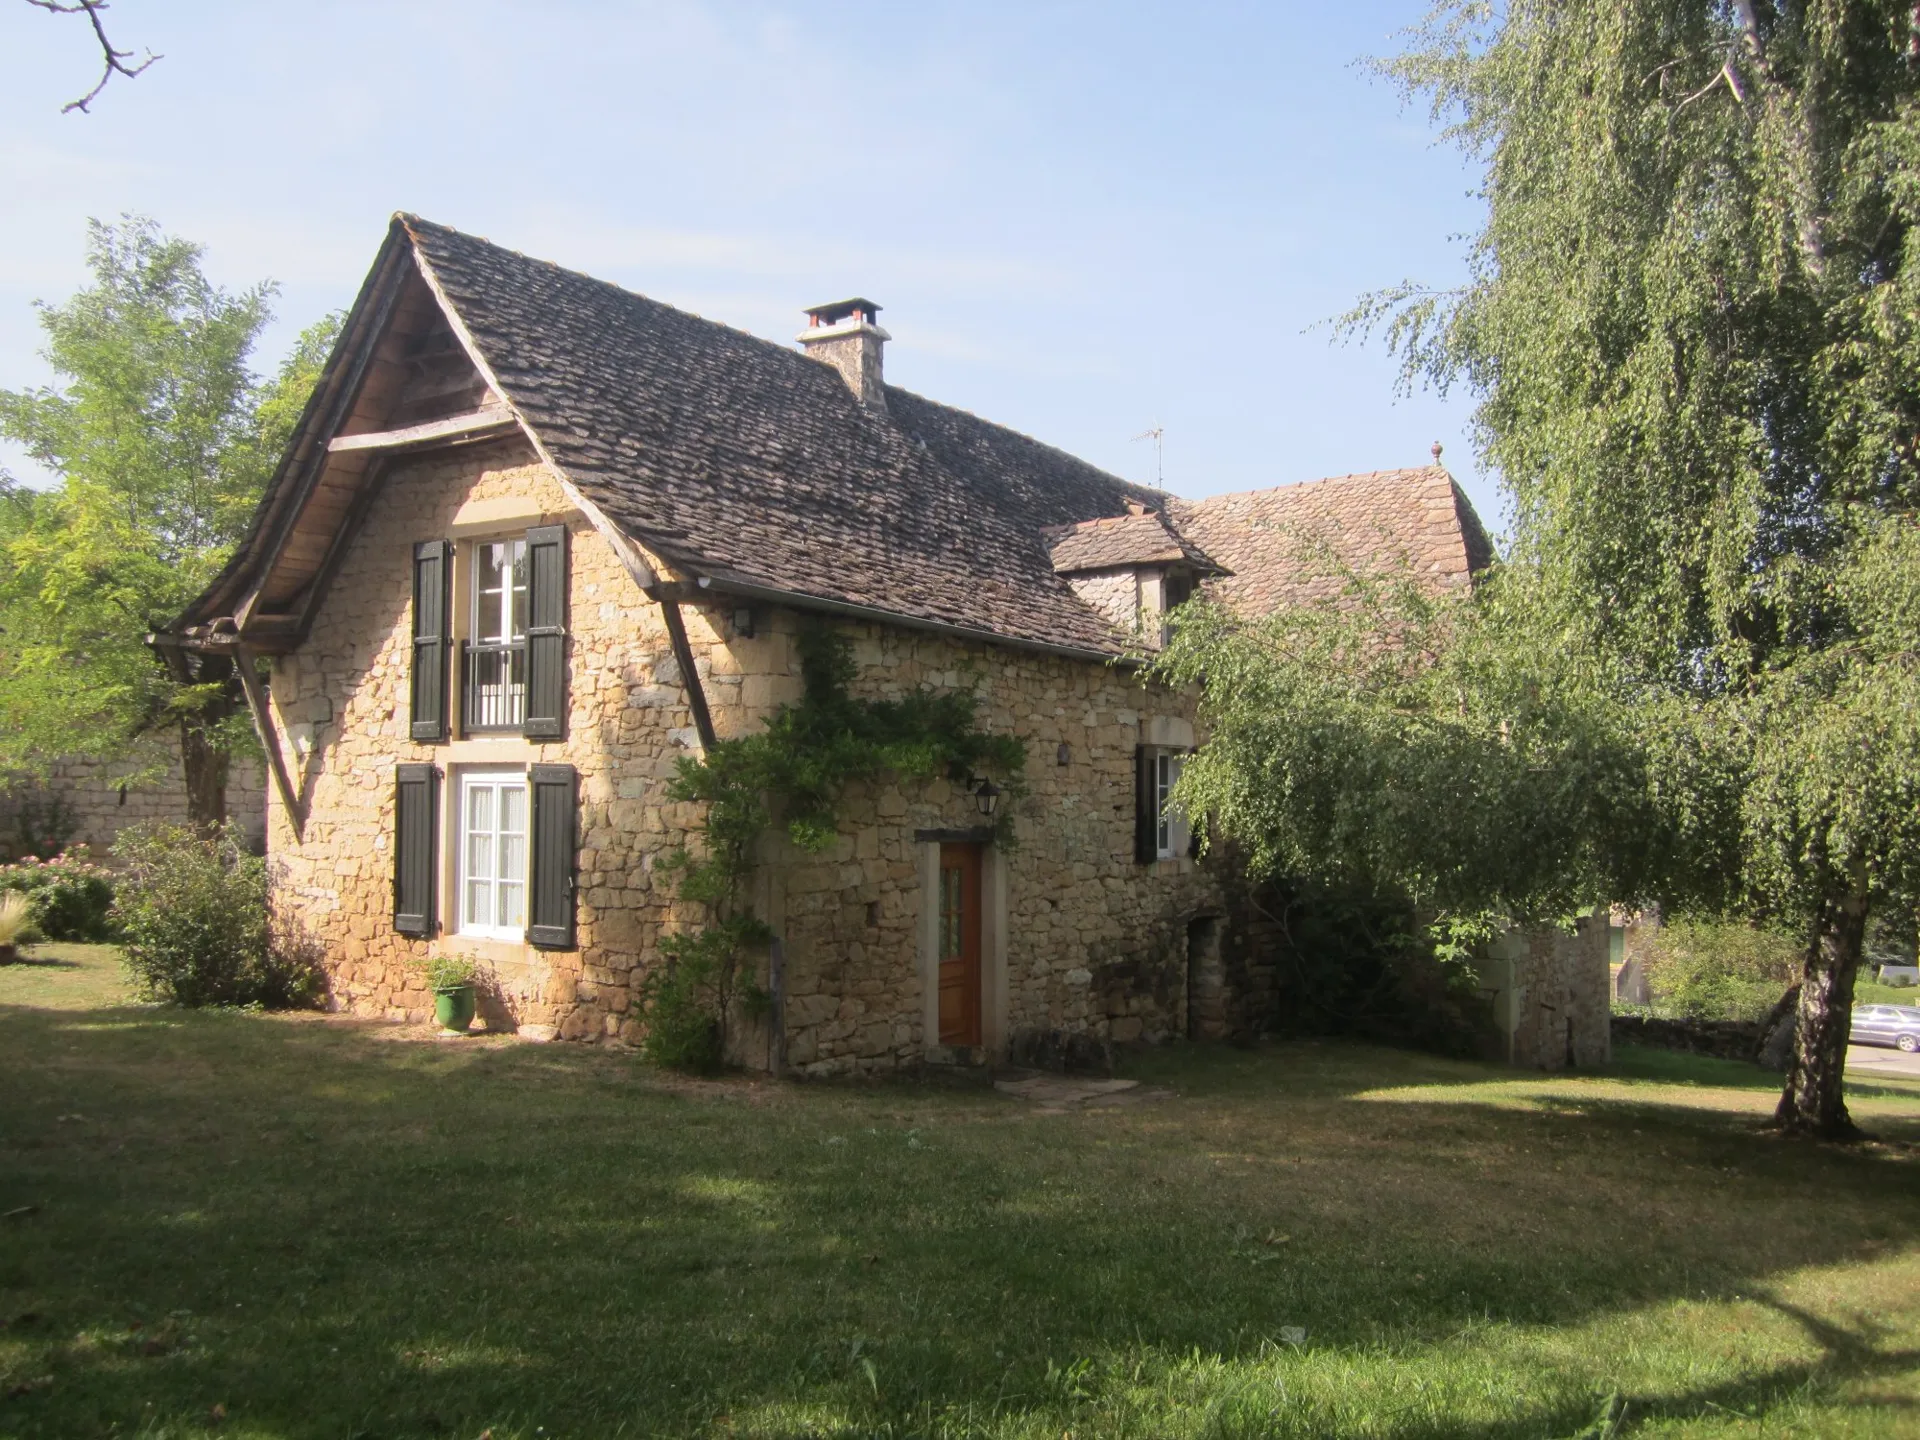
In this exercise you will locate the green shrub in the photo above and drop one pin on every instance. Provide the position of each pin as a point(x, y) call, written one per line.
point(445, 972)
point(70, 896)
point(1707, 969)
point(193, 915)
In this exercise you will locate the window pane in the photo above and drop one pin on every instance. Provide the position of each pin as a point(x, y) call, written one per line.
point(512, 905)
point(479, 903)
point(513, 809)
point(486, 592)
point(479, 809)
point(517, 603)
point(480, 855)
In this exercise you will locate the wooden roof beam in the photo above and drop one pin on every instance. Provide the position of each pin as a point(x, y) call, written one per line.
point(475, 424)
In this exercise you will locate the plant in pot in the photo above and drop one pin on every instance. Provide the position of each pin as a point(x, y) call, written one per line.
point(451, 979)
point(16, 918)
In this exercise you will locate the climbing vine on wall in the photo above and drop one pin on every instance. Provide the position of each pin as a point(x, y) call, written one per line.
point(791, 775)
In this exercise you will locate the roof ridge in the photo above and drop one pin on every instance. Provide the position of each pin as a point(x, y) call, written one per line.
point(1322, 480)
point(409, 219)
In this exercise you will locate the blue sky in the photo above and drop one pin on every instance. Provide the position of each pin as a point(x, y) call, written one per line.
point(1083, 220)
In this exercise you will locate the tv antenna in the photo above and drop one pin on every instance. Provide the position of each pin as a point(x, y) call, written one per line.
point(1158, 434)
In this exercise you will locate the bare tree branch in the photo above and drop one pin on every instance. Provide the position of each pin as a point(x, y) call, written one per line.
point(115, 60)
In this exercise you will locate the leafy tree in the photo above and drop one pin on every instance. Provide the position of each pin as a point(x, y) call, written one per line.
point(1691, 326)
point(162, 440)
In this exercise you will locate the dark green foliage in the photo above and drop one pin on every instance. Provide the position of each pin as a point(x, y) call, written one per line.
point(193, 916)
point(1351, 961)
point(72, 898)
point(791, 775)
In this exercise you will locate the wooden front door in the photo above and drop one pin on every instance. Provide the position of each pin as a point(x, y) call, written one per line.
point(959, 901)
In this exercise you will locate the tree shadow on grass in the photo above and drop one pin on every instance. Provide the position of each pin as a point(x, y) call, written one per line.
point(329, 1233)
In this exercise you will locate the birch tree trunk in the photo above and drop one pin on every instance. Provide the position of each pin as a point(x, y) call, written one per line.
point(1813, 1102)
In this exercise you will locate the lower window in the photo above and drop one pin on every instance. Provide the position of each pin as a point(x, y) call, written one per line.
point(493, 854)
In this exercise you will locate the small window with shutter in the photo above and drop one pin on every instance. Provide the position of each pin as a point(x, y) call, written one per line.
point(514, 659)
point(1160, 828)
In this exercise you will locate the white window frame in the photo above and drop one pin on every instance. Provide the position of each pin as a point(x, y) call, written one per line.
point(500, 629)
point(1171, 834)
point(497, 780)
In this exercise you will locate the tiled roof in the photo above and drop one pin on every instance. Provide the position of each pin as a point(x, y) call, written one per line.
point(1267, 538)
point(746, 461)
point(752, 466)
point(1118, 541)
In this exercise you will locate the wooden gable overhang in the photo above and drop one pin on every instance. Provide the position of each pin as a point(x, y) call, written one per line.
point(405, 377)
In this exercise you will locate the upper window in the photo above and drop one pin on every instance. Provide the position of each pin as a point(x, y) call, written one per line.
point(496, 678)
point(1170, 834)
point(493, 854)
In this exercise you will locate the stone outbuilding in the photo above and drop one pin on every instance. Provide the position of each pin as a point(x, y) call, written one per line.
point(538, 538)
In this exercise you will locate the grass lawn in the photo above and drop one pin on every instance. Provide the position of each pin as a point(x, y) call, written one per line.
point(249, 1225)
point(1867, 992)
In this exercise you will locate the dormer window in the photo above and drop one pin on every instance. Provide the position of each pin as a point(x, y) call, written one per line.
point(496, 652)
point(1133, 569)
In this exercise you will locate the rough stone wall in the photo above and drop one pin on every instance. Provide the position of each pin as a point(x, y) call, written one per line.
point(342, 701)
point(1558, 1003)
point(1094, 943)
point(97, 808)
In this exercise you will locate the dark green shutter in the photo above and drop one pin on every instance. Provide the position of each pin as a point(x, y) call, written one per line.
point(432, 637)
point(550, 886)
point(547, 633)
point(1146, 818)
point(416, 821)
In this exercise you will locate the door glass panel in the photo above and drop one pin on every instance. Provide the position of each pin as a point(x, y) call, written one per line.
point(950, 919)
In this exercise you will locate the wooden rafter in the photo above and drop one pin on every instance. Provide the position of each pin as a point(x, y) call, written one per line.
point(475, 424)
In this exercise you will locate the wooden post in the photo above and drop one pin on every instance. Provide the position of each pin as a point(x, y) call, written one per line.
point(270, 739)
point(683, 656)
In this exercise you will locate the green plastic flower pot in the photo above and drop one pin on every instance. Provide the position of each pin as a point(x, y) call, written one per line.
point(453, 1007)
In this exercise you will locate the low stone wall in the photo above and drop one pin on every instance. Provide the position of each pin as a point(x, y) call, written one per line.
point(100, 798)
point(1726, 1039)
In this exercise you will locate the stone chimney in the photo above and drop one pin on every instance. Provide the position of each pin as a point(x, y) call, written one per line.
point(845, 336)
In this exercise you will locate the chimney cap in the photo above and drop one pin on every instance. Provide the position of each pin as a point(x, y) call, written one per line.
point(838, 310)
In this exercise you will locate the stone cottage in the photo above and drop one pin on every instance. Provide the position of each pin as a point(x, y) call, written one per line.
point(536, 537)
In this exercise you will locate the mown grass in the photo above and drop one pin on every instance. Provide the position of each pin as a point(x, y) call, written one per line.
point(328, 1230)
point(1869, 992)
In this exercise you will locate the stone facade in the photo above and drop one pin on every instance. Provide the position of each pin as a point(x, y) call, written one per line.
point(97, 799)
point(1080, 939)
point(1552, 994)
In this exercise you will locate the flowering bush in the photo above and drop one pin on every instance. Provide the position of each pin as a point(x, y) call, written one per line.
point(70, 896)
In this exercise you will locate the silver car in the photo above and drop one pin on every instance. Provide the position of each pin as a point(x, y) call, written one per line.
point(1896, 1025)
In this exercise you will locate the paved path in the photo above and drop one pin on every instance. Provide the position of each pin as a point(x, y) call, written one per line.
point(1056, 1094)
point(1870, 1062)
